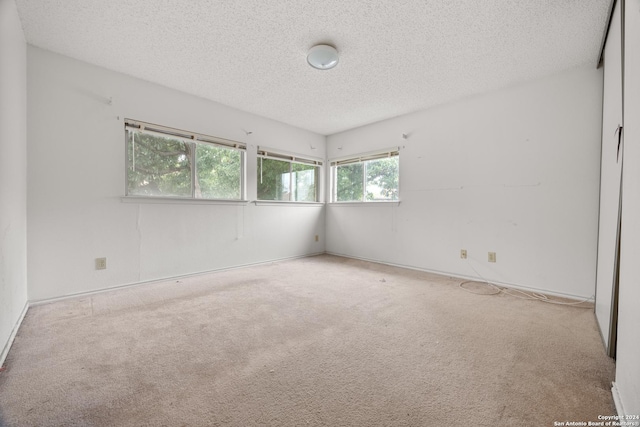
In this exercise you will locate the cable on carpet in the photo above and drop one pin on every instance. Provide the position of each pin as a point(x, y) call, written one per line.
point(517, 293)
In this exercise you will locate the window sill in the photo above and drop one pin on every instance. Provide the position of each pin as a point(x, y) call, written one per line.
point(371, 204)
point(180, 201)
point(285, 203)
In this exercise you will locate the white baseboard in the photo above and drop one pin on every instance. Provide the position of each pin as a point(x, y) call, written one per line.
point(463, 277)
point(14, 331)
point(616, 399)
point(163, 279)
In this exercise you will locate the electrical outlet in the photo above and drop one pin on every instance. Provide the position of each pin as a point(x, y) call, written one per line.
point(317, 238)
point(463, 253)
point(492, 257)
point(101, 263)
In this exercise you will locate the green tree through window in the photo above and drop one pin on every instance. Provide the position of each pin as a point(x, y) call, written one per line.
point(287, 180)
point(218, 172)
point(273, 179)
point(382, 179)
point(163, 166)
point(158, 166)
point(349, 183)
point(368, 180)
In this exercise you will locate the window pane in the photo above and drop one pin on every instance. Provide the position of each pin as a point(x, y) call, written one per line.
point(273, 179)
point(158, 166)
point(382, 179)
point(304, 178)
point(218, 172)
point(349, 182)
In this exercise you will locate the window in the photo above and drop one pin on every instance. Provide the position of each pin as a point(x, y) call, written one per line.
point(287, 178)
point(165, 162)
point(367, 178)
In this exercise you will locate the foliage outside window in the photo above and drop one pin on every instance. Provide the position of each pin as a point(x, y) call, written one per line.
point(287, 178)
point(372, 178)
point(164, 162)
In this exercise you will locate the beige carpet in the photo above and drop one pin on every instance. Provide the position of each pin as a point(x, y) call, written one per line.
point(316, 341)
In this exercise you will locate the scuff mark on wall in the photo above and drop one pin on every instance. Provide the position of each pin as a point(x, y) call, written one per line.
point(5, 238)
point(139, 231)
point(439, 189)
point(538, 184)
point(240, 223)
point(394, 218)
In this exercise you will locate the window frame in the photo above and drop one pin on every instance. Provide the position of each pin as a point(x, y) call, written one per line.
point(193, 139)
point(291, 158)
point(361, 158)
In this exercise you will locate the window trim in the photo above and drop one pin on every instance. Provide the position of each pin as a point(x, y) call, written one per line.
point(267, 153)
point(287, 203)
point(361, 158)
point(275, 154)
point(182, 134)
point(371, 203)
point(194, 138)
point(372, 155)
point(180, 200)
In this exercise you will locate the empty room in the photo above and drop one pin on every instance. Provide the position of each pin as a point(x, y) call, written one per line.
point(360, 213)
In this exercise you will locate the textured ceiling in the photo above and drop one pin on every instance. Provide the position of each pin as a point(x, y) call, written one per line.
point(395, 56)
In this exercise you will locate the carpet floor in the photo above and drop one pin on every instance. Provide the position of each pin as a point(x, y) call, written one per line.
point(319, 341)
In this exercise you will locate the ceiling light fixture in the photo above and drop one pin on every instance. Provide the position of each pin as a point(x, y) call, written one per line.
point(322, 57)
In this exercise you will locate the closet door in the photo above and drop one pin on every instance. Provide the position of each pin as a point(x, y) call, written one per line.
point(610, 175)
point(627, 383)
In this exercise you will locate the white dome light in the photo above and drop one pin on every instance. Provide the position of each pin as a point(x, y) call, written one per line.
point(322, 57)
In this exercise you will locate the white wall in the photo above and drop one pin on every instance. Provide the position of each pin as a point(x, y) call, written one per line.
point(76, 177)
point(514, 171)
point(13, 170)
point(628, 350)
